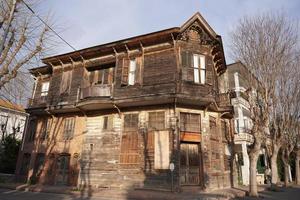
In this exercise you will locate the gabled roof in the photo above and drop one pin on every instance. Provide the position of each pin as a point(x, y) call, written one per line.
point(205, 32)
point(11, 106)
point(195, 17)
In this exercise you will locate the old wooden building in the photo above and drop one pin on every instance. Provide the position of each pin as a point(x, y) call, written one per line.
point(117, 114)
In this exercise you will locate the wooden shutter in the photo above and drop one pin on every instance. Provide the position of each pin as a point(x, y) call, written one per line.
point(85, 81)
point(209, 71)
point(110, 76)
point(110, 122)
point(187, 66)
point(138, 70)
point(125, 68)
point(66, 82)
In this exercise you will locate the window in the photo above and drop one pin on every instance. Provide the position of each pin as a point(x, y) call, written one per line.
point(101, 76)
point(199, 68)
point(190, 122)
point(45, 88)
point(213, 128)
point(227, 161)
point(69, 128)
point(131, 72)
point(156, 120)
point(131, 122)
point(45, 128)
point(66, 82)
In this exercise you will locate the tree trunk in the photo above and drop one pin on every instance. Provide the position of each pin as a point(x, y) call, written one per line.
point(297, 168)
point(274, 169)
point(286, 174)
point(253, 183)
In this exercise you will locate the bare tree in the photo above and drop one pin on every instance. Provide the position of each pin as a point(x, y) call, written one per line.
point(22, 39)
point(265, 43)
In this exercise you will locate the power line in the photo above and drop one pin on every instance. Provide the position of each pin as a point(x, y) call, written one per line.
point(33, 12)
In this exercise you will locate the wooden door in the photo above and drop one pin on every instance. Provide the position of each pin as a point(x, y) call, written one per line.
point(189, 164)
point(63, 163)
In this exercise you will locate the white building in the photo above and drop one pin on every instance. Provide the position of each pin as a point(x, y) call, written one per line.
point(12, 119)
point(236, 79)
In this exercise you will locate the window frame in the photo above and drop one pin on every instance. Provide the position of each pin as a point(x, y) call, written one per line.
point(132, 72)
point(199, 68)
point(69, 129)
point(157, 123)
point(45, 89)
point(185, 124)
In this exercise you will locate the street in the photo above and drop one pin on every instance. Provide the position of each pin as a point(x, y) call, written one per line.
point(291, 193)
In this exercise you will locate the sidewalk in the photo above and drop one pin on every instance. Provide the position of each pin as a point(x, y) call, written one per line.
point(142, 194)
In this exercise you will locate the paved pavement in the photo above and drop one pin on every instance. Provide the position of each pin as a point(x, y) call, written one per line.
point(6, 194)
point(290, 193)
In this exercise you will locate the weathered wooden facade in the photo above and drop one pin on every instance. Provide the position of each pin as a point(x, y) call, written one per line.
point(117, 114)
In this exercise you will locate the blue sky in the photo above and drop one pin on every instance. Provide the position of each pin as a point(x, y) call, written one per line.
point(85, 23)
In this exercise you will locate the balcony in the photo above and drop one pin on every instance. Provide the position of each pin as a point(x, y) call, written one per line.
point(95, 91)
point(243, 137)
point(37, 101)
point(223, 99)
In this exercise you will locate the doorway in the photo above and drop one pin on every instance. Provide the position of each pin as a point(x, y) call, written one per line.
point(190, 164)
point(63, 163)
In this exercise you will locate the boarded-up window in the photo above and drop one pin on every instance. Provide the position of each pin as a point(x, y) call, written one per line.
point(190, 122)
point(227, 157)
point(69, 124)
point(129, 155)
point(156, 120)
point(227, 160)
point(39, 164)
point(66, 82)
point(213, 128)
point(107, 122)
point(161, 149)
point(215, 155)
point(31, 130)
point(224, 129)
point(187, 65)
point(25, 164)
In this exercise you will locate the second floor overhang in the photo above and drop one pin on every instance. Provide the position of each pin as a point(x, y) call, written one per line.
point(90, 104)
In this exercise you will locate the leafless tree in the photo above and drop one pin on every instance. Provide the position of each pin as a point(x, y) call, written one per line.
point(285, 110)
point(22, 41)
point(265, 43)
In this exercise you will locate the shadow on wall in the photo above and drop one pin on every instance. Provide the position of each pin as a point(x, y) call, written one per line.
point(54, 166)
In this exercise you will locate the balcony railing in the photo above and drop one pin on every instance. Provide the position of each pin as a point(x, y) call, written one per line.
point(95, 91)
point(37, 101)
point(223, 99)
point(243, 137)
